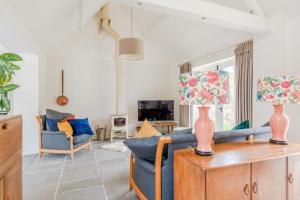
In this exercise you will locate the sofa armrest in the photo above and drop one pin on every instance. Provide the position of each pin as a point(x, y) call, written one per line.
point(55, 140)
point(158, 160)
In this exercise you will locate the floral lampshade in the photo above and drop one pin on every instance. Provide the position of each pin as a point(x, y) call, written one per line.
point(279, 90)
point(204, 88)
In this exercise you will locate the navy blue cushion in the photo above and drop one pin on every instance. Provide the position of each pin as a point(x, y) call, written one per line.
point(81, 126)
point(51, 124)
point(144, 148)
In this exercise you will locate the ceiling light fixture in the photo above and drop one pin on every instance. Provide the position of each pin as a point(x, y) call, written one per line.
point(131, 48)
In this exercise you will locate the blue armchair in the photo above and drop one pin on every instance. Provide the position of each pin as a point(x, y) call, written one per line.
point(154, 180)
point(57, 142)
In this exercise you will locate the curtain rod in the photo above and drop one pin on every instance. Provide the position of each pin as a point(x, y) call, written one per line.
point(210, 54)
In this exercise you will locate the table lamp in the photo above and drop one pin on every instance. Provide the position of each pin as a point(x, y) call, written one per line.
point(204, 88)
point(279, 91)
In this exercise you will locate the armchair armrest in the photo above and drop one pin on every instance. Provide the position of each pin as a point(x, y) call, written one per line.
point(55, 140)
point(158, 160)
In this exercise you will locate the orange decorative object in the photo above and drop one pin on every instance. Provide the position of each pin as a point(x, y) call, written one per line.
point(62, 100)
point(204, 127)
point(279, 123)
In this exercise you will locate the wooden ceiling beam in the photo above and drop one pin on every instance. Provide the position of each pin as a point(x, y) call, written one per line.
point(205, 12)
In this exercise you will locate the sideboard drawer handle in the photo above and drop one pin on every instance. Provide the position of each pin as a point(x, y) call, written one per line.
point(4, 126)
point(246, 189)
point(254, 188)
point(291, 178)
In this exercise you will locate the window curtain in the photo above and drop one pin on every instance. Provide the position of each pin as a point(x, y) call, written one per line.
point(244, 81)
point(184, 110)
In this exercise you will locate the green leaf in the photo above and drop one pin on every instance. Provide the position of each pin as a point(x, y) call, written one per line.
point(5, 104)
point(13, 66)
point(8, 88)
point(10, 57)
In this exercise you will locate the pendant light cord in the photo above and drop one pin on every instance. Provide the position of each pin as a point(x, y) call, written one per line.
point(131, 21)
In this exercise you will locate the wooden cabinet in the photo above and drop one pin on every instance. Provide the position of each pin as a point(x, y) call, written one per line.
point(11, 158)
point(1, 188)
point(13, 182)
point(269, 179)
point(229, 183)
point(293, 177)
point(239, 171)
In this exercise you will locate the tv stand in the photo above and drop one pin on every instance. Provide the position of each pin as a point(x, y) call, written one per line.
point(169, 125)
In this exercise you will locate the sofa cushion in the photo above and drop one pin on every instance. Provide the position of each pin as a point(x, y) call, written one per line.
point(242, 125)
point(147, 130)
point(68, 118)
point(81, 126)
point(183, 131)
point(81, 139)
point(66, 127)
point(51, 124)
point(57, 115)
point(266, 124)
point(232, 135)
point(144, 148)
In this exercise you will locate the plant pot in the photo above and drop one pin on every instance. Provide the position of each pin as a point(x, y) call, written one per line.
point(4, 104)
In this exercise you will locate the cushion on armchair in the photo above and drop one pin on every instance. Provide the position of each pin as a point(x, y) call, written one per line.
point(55, 115)
point(52, 124)
point(52, 114)
point(81, 126)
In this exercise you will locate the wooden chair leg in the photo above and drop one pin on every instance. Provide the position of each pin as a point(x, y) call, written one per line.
point(40, 154)
point(90, 146)
point(130, 177)
point(72, 155)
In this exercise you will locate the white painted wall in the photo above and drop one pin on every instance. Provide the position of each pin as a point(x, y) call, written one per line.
point(25, 101)
point(87, 59)
point(16, 38)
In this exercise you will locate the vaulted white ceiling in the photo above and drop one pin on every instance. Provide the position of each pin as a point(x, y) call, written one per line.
point(53, 22)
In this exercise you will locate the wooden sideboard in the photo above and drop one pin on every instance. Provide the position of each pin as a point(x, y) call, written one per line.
point(239, 171)
point(11, 158)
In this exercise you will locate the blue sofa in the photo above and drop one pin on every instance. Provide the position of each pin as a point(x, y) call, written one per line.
point(57, 142)
point(153, 180)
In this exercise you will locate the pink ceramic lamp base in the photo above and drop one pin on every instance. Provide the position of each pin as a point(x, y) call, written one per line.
point(279, 123)
point(204, 132)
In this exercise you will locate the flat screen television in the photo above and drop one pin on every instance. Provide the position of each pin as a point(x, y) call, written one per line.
point(161, 110)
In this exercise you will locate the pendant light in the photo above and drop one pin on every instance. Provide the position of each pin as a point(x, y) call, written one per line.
point(131, 48)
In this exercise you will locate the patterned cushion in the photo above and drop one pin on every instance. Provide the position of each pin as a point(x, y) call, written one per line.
point(65, 127)
point(81, 126)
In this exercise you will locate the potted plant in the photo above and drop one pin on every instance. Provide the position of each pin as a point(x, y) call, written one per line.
point(7, 72)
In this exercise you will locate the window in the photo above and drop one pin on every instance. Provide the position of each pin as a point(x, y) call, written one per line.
point(223, 117)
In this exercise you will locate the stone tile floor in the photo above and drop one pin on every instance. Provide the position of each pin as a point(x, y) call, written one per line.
point(93, 175)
